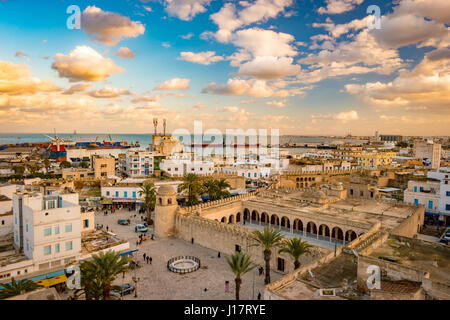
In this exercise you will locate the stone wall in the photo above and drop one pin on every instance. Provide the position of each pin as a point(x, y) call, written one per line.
point(411, 226)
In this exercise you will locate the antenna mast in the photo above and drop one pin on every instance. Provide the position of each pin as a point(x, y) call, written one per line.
point(164, 126)
point(155, 124)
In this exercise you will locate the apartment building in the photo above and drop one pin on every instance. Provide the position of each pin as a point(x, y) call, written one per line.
point(425, 193)
point(443, 175)
point(103, 166)
point(375, 160)
point(138, 163)
point(429, 152)
point(177, 167)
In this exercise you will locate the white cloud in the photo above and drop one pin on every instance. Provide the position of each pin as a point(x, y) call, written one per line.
point(186, 9)
point(84, 64)
point(109, 27)
point(205, 58)
point(109, 92)
point(269, 67)
point(276, 104)
point(125, 53)
point(339, 6)
point(174, 84)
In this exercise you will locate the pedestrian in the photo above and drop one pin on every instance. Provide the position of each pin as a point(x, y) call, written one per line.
point(137, 242)
point(145, 256)
point(259, 295)
point(152, 237)
point(218, 254)
point(150, 260)
point(227, 286)
point(107, 228)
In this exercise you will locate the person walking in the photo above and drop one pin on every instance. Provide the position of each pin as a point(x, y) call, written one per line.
point(259, 295)
point(150, 260)
point(145, 256)
point(107, 228)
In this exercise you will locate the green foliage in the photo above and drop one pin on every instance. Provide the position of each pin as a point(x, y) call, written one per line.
point(65, 164)
point(17, 287)
point(149, 192)
point(191, 183)
point(84, 165)
point(98, 274)
point(296, 248)
point(216, 188)
point(240, 264)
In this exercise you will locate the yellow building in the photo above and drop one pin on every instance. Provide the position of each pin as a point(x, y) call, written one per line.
point(375, 160)
point(103, 166)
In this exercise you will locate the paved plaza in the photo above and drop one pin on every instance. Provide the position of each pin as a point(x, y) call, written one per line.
point(157, 282)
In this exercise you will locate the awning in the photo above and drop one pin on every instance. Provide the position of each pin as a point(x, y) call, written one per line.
point(432, 213)
point(128, 252)
point(52, 281)
point(106, 202)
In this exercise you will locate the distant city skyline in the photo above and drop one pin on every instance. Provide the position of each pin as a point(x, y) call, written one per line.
point(304, 67)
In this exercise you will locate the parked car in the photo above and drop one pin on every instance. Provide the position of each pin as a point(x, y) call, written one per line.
point(444, 241)
point(123, 222)
point(126, 288)
point(140, 228)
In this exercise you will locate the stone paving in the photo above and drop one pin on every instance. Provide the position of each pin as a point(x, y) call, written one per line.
point(157, 282)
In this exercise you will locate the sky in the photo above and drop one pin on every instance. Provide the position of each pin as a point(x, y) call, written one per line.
point(324, 67)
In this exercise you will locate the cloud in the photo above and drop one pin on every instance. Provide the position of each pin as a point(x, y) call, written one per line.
point(109, 92)
point(344, 116)
point(84, 64)
point(229, 20)
point(252, 88)
point(269, 67)
point(205, 58)
point(125, 53)
point(20, 54)
point(426, 86)
point(276, 104)
point(109, 27)
point(198, 106)
point(174, 84)
point(187, 36)
point(79, 87)
point(144, 98)
point(185, 9)
point(166, 45)
point(16, 79)
point(339, 6)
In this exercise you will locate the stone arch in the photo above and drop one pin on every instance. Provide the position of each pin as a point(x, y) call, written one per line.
point(298, 225)
point(255, 215)
point(223, 219)
point(301, 179)
point(238, 217)
point(311, 227)
point(298, 179)
point(246, 214)
point(264, 217)
point(274, 220)
point(285, 223)
point(337, 233)
point(231, 219)
point(350, 235)
point(324, 230)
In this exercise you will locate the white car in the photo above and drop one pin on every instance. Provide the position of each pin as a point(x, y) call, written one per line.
point(140, 228)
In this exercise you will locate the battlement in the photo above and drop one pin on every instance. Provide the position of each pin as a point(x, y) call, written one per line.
point(317, 172)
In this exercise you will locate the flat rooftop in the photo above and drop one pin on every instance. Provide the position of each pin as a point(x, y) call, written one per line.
point(433, 258)
point(98, 240)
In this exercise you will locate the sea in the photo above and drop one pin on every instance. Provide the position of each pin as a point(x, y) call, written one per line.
point(145, 139)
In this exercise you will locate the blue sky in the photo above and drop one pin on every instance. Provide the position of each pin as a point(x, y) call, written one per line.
point(304, 67)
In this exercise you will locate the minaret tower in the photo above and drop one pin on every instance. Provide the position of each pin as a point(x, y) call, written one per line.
point(165, 211)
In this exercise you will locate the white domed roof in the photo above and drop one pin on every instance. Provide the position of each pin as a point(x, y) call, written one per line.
point(166, 190)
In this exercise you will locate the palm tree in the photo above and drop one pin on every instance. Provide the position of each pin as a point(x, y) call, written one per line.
point(222, 185)
point(65, 164)
point(267, 239)
point(103, 269)
point(240, 264)
point(211, 188)
point(149, 192)
point(46, 165)
point(192, 184)
point(17, 287)
point(295, 247)
point(19, 170)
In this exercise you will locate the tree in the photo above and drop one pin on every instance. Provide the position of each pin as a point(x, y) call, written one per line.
point(216, 189)
point(84, 164)
point(267, 239)
point(223, 185)
point(296, 248)
point(65, 164)
point(19, 170)
point(240, 264)
point(16, 288)
point(149, 192)
point(100, 272)
point(191, 183)
point(46, 165)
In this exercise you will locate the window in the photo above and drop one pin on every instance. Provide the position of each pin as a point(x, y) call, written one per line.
point(57, 230)
point(125, 194)
point(57, 247)
point(134, 194)
point(86, 223)
point(351, 192)
point(47, 250)
point(421, 189)
point(430, 204)
point(371, 194)
point(51, 204)
point(416, 202)
point(107, 193)
point(26, 227)
point(280, 264)
point(415, 188)
point(361, 193)
point(28, 246)
point(117, 193)
point(68, 245)
point(68, 227)
point(237, 248)
point(47, 232)
point(447, 207)
point(447, 193)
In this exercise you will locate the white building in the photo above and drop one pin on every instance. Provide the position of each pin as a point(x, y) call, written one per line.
point(443, 175)
point(252, 172)
point(429, 152)
point(177, 167)
point(425, 193)
point(138, 163)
